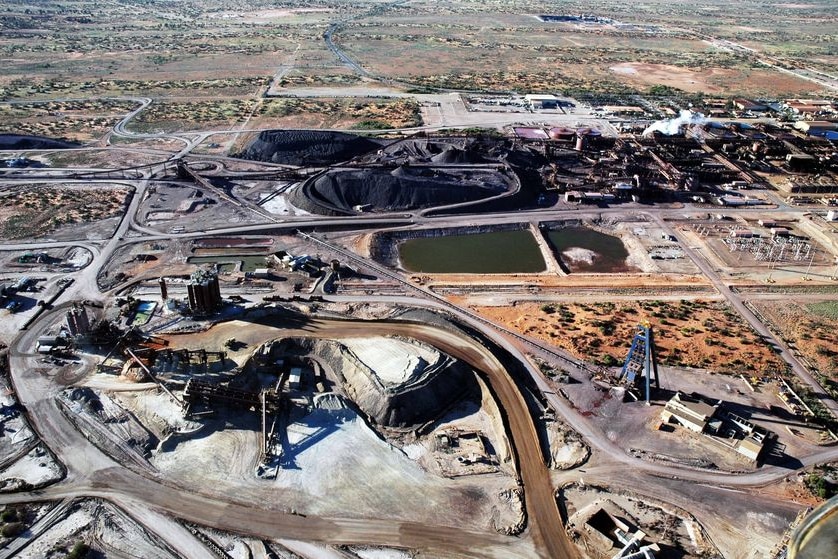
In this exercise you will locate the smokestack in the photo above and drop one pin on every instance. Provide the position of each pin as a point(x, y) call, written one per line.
point(164, 293)
point(580, 142)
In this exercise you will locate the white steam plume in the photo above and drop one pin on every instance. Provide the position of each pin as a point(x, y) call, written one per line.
point(672, 126)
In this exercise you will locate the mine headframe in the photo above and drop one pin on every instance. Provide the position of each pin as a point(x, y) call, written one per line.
point(640, 361)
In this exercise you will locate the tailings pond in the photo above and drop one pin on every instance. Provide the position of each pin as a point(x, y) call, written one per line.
point(501, 252)
point(581, 249)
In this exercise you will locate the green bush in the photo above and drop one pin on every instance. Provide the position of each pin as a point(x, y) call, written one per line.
point(79, 551)
point(820, 486)
point(12, 529)
point(9, 515)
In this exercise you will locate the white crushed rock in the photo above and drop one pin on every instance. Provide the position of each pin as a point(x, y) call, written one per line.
point(394, 361)
point(61, 534)
point(567, 449)
point(578, 254)
point(414, 451)
point(35, 468)
point(379, 553)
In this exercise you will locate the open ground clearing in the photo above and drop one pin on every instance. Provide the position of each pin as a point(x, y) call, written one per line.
point(79, 121)
point(811, 328)
point(332, 461)
point(37, 210)
point(689, 333)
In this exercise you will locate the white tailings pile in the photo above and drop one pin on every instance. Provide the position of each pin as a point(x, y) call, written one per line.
point(580, 255)
point(394, 361)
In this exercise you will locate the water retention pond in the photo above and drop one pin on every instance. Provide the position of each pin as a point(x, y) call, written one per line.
point(580, 249)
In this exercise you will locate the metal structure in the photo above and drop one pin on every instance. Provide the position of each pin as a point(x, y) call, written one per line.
point(776, 249)
point(265, 402)
point(640, 360)
point(204, 292)
point(77, 321)
point(164, 292)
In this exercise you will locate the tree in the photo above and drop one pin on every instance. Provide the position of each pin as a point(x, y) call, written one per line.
point(79, 551)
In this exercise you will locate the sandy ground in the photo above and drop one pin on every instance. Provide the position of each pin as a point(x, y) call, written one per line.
point(691, 333)
point(634, 426)
point(710, 80)
point(332, 462)
point(566, 447)
point(236, 547)
point(102, 526)
point(466, 418)
point(379, 553)
point(16, 434)
point(814, 334)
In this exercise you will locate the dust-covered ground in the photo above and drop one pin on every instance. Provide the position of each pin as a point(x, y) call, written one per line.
point(95, 526)
point(675, 531)
point(811, 327)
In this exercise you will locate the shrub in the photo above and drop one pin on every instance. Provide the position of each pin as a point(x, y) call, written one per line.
point(79, 551)
point(9, 515)
point(12, 529)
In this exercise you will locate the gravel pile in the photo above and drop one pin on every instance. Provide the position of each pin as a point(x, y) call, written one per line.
point(437, 150)
point(17, 141)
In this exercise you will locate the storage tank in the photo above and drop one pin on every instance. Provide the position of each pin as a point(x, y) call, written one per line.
point(561, 133)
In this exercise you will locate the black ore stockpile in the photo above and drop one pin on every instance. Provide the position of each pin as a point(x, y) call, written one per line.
point(307, 147)
point(16, 141)
point(404, 188)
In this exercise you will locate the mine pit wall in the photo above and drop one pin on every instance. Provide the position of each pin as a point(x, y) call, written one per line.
point(384, 247)
point(500, 438)
point(399, 406)
point(402, 406)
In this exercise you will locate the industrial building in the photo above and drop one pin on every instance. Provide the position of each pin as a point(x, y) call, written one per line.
point(542, 101)
point(719, 425)
point(610, 531)
point(749, 105)
point(809, 106)
point(816, 127)
point(692, 413)
point(204, 292)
